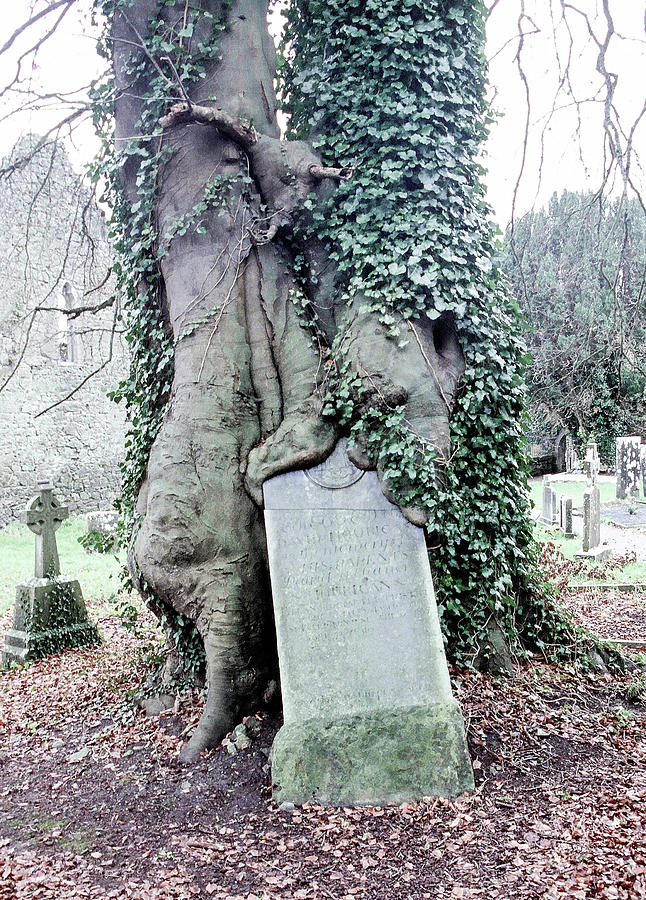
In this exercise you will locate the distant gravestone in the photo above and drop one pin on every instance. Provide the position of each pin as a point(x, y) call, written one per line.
point(628, 466)
point(643, 468)
point(101, 526)
point(49, 614)
point(572, 463)
point(369, 713)
point(565, 516)
point(549, 515)
point(592, 507)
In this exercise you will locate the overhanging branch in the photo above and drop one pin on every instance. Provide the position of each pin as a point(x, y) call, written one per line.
point(244, 135)
point(236, 129)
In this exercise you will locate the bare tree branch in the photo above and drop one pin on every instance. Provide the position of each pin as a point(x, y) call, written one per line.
point(90, 375)
point(56, 4)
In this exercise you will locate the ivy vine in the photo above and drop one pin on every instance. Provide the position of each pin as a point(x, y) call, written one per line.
point(398, 86)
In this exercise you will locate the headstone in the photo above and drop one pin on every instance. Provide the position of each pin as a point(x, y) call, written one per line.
point(49, 614)
point(572, 463)
point(592, 458)
point(549, 515)
point(628, 466)
point(101, 525)
point(592, 508)
point(565, 516)
point(369, 713)
point(643, 468)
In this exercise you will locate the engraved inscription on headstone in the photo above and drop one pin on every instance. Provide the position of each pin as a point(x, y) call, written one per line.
point(369, 714)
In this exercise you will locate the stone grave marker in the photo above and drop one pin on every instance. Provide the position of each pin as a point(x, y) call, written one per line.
point(628, 466)
point(50, 613)
point(101, 525)
point(549, 515)
point(572, 463)
point(592, 508)
point(565, 516)
point(642, 455)
point(369, 713)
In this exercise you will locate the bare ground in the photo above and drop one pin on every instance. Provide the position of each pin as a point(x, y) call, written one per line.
point(94, 804)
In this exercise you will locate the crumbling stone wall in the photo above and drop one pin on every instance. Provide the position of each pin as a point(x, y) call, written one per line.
point(54, 257)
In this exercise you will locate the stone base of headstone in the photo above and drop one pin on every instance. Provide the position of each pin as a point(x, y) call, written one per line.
point(373, 759)
point(49, 616)
point(598, 553)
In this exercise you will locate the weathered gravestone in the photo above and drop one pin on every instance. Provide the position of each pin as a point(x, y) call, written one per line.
point(571, 457)
point(642, 457)
point(628, 466)
point(101, 531)
point(50, 614)
point(369, 714)
point(565, 516)
point(592, 507)
point(549, 515)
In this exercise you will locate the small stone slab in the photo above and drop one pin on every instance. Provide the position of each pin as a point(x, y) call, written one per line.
point(102, 525)
point(565, 516)
point(369, 713)
point(596, 554)
point(620, 514)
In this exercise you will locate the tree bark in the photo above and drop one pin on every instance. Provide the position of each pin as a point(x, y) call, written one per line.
point(245, 401)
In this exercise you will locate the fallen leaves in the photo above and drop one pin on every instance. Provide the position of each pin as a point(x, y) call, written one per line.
point(94, 804)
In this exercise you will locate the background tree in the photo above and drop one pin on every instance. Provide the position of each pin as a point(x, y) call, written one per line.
point(578, 269)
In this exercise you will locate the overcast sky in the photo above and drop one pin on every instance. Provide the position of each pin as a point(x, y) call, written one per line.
point(566, 140)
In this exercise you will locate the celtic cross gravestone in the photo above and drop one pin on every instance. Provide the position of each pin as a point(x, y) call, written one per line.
point(369, 713)
point(44, 515)
point(50, 613)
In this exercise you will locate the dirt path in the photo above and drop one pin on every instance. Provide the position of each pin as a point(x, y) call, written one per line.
point(93, 802)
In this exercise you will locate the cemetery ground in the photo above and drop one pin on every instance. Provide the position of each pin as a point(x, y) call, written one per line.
point(94, 803)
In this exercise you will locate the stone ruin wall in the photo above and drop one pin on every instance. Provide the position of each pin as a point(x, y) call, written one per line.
point(54, 256)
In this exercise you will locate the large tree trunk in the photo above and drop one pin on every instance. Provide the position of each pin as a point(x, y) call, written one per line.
point(245, 399)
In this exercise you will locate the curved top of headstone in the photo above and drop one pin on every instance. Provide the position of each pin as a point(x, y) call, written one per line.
point(337, 471)
point(334, 484)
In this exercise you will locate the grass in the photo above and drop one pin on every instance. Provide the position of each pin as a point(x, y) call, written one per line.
point(633, 573)
point(98, 573)
point(574, 489)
